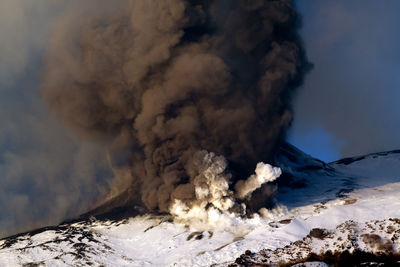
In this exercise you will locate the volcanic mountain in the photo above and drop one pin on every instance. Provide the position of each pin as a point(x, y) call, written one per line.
point(344, 213)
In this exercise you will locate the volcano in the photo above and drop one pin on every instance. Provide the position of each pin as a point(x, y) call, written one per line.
point(343, 213)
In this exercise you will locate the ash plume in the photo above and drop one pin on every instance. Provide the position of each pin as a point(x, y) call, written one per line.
point(159, 81)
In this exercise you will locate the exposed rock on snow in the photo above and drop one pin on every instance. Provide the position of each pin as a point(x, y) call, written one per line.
point(349, 244)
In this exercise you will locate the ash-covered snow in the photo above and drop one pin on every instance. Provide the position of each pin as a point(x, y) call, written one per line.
point(352, 205)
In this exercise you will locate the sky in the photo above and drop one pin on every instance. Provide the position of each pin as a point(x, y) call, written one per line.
point(349, 103)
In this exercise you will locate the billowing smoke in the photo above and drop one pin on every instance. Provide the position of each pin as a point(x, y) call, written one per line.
point(161, 82)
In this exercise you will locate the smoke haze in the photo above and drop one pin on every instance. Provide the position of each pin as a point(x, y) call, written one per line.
point(353, 91)
point(47, 174)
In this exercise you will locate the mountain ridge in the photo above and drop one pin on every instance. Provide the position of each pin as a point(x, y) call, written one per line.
point(312, 195)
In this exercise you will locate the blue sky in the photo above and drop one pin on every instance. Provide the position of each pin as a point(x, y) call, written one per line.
point(349, 102)
point(317, 142)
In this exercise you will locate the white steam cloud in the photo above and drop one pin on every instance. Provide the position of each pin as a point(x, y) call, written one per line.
point(216, 206)
point(264, 173)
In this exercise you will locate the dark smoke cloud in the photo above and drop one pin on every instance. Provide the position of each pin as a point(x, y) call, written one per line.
point(158, 81)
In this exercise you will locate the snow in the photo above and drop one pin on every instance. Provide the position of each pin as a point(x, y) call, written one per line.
point(311, 264)
point(374, 169)
point(157, 241)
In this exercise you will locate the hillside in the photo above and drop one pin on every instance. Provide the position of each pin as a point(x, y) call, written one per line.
point(323, 211)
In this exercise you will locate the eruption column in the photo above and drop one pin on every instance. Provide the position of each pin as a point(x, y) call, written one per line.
point(160, 81)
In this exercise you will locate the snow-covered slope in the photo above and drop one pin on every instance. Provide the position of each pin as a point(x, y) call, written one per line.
point(307, 180)
point(352, 205)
